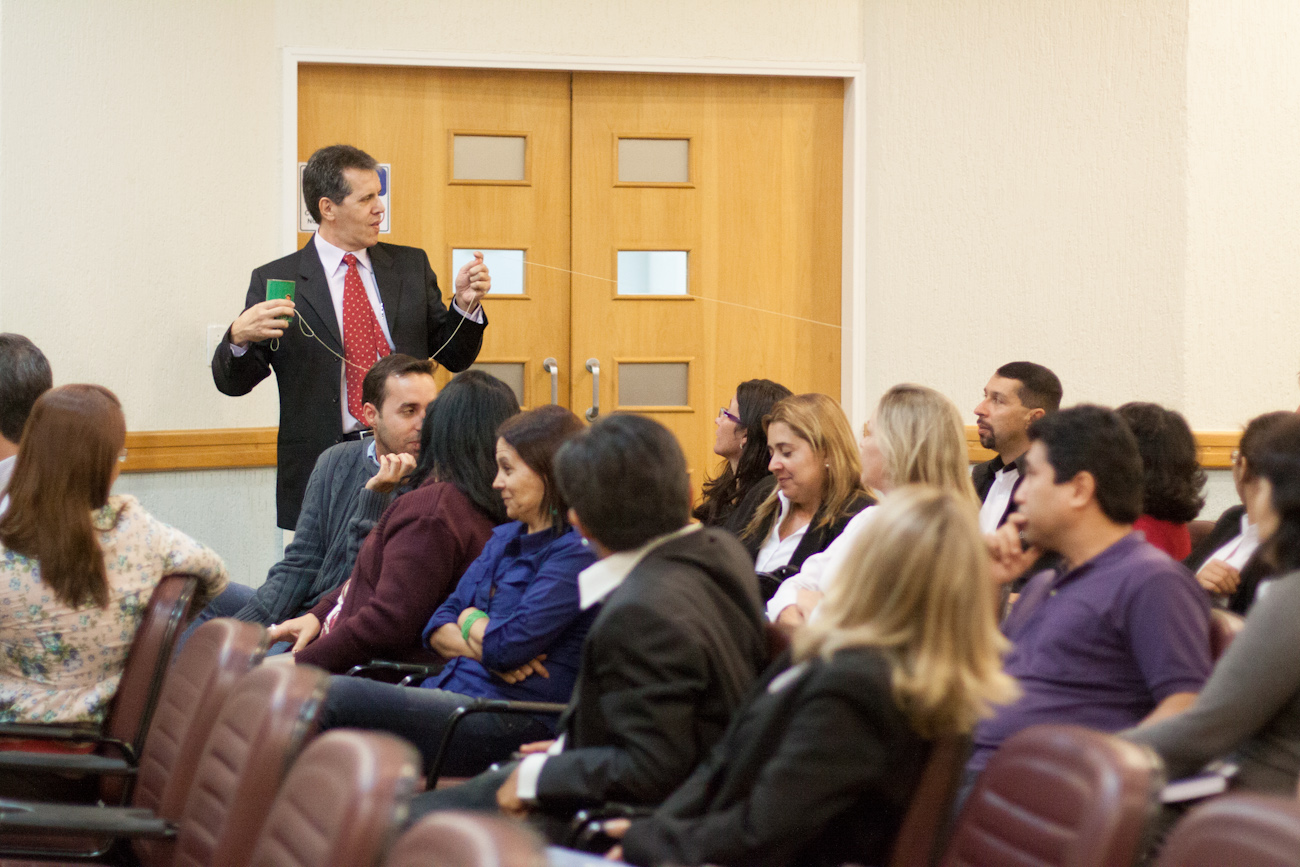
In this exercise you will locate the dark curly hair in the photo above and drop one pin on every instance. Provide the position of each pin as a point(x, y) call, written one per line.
point(723, 493)
point(1173, 483)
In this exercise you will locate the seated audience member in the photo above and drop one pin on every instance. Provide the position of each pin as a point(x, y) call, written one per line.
point(351, 482)
point(732, 497)
point(1225, 561)
point(676, 645)
point(915, 435)
point(1173, 483)
point(1119, 632)
point(513, 628)
point(1249, 710)
point(421, 546)
point(1018, 394)
point(819, 765)
point(77, 567)
point(818, 487)
point(24, 376)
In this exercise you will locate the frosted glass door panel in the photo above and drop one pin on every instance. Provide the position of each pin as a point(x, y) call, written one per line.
point(652, 272)
point(505, 266)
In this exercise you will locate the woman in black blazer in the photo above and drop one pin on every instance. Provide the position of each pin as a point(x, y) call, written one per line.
point(819, 764)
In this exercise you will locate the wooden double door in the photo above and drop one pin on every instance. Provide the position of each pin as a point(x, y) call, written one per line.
point(655, 239)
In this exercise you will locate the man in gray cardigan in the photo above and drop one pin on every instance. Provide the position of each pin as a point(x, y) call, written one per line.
point(350, 487)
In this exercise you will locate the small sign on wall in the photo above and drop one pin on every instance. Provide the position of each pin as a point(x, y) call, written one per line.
point(307, 224)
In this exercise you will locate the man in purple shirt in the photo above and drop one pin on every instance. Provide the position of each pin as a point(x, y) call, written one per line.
point(1119, 634)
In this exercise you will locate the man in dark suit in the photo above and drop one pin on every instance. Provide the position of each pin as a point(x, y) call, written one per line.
point(678, 641)
point(356, 300)
point(1016, 396)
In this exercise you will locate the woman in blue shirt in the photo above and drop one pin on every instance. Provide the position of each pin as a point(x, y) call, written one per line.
point(512, 629)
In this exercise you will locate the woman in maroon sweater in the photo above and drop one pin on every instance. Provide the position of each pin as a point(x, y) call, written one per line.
point(426, 539)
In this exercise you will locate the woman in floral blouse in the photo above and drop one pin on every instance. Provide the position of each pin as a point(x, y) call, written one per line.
point(77, 567)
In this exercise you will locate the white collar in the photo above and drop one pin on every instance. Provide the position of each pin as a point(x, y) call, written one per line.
point(1249, 531)
point(331, 257)
point(602, 577)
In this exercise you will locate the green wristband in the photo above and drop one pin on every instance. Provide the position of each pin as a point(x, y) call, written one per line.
point(469, 622)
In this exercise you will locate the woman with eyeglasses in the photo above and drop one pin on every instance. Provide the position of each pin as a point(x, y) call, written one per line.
point(77, 566)
point(744, 481)
point(1226, 562)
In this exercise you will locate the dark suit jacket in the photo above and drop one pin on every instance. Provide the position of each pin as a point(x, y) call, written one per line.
point(1227, 528)
point(308, 374)
point(666, 662)
point(817, 768)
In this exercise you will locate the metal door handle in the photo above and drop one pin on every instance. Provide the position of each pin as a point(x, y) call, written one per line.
point(552, 367)
point(593, 365)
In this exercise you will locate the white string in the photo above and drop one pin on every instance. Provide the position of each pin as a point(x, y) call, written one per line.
point(699, 297)
point(307, 332)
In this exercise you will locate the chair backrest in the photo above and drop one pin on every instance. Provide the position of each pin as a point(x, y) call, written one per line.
point(262, 727)
point(1224, 626)
point(1058, 795)
point(453, 839)
point(146, 663)
point(342, 803)
point(216, 656)
point(1254, 830)
point(931, 807)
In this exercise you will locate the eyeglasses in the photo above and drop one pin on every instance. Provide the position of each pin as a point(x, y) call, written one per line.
point(726, 413)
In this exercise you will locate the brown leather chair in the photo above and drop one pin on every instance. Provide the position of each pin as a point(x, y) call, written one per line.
point(454, 839)
point(342, 803)
point(1058, 795)
point(127, 721)
point(1224, 626)
point(1246, 830)
point(216, 656)
point(927, 816)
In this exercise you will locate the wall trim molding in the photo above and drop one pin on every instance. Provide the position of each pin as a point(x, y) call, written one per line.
point(231, 448)
point(1214, 447)
point(222, 448)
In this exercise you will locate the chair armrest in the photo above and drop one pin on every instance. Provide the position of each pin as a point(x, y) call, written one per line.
point(411, 670)
point(79, 763)
point(485, 705)
point(25, 817)
point(64, 733)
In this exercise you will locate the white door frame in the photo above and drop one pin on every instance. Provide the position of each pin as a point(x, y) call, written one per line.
point(853, 314)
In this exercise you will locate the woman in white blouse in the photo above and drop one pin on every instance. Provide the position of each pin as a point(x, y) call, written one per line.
point(915, 435)
point(77, 567)
point(818, 486)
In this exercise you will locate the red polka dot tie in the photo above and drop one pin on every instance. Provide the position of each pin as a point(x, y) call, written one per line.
point(363, 340)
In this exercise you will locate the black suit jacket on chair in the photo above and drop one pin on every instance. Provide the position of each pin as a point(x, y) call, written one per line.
point(308, 373)
point(666, 662)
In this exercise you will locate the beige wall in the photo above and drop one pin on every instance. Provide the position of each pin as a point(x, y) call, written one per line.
point(1105, 186)
point(1242, 325)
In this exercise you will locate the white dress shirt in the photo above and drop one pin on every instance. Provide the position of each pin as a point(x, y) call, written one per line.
point(776, 552)
point(998, 499)
point(1238, 551)
point(594, 583)
point(331, 260)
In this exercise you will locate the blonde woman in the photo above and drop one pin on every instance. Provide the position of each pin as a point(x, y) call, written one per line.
point(915, 435)
point(819, 764)
point(818, 487)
